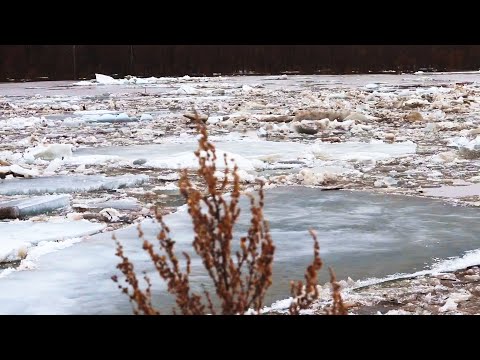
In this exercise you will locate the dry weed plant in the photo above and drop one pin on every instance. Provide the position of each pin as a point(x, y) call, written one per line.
point(241, 278)
point(305, 295)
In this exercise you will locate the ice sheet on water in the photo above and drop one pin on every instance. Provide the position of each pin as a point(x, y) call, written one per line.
point(248, 154)
point(289, 150)
point(18, 123)
point(19, 236)
point(188, 160)
point(440, 266)
point(267, 150)
point(362, 235)
point(120, 204)
point(93, 159)
point(462, 141)
point(146, 117)
point(95, 112)
point(42, 248)
point(63, 282)
point(363, 151)
point(37, 204)
point(453, 191)
point(168, 187)
point(68, 184)
point(108, 118)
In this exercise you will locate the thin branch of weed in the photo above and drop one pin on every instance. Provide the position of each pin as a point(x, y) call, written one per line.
point(305, 295)
point(338, 308)
point(241, 278)
point(140, 298)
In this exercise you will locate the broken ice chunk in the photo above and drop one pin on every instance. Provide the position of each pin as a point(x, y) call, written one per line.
point(187, 90)
point(68, 184)
point(146, 117)
point(17, 171)
point(19, 236)
point(106, 80)
point(49, 152)
point(109, 118)
point(111, 215)
point(33, 206)
point(120, 204)
point(54, 166)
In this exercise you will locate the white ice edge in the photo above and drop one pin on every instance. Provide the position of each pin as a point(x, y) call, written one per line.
point(18, 237)
point(470, 258)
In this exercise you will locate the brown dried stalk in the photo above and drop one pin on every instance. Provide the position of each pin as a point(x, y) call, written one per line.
point(213, 230)
point(338, 308)
point(141, 299)
point(241, 279)
point(169, 270)
point(305, 296)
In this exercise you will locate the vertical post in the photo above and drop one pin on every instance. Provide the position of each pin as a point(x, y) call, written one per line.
point(74, 62)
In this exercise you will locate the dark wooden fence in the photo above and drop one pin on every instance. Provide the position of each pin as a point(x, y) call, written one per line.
point(58, 62)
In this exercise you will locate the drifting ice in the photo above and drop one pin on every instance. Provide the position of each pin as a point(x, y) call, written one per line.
point(33, 206)
point(18, 236)
point(68, 184)
point(49, 152)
